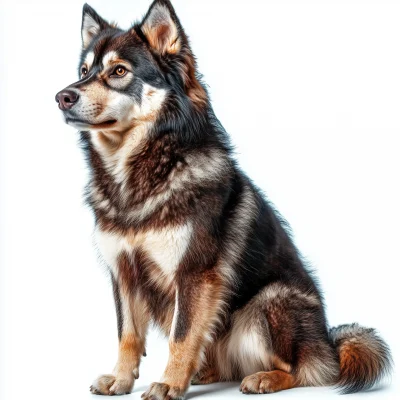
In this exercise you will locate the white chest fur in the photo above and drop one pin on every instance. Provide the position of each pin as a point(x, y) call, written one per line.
point(165, 247)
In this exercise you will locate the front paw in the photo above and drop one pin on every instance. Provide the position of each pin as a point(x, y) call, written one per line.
point(163, 391)
point(111, 385)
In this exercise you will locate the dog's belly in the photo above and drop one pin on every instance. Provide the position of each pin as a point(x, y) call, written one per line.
point(165, 248)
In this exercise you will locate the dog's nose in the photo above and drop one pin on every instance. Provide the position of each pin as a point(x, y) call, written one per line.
point(66, 99)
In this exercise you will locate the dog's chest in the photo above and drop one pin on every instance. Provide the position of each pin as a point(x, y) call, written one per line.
point(165, 248)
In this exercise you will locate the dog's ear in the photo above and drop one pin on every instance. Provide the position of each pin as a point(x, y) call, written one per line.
point(92, 25)
point(165, 36)
point(162, 28)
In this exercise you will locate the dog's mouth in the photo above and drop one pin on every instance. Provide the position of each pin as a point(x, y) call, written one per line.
point(86, 124)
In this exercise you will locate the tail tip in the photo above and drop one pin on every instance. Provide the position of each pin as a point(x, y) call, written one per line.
point(364, 357)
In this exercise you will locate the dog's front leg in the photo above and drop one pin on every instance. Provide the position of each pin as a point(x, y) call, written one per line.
point(133, 321)
point(197, 305)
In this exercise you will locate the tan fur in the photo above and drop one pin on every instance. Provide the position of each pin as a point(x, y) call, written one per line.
point(117, 147)
point(190, 243)
point(133, 339)
point(161, 31)
point(185, 355)
point(208, 372)
point(279, 364)
point(103, 384)
point(131, 347)
point(194, 89)
point(268, 382)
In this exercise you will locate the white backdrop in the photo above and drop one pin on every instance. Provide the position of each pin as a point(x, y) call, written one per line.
point(309, 92)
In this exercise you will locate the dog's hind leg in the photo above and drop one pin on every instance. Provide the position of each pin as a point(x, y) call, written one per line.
point(295, 339)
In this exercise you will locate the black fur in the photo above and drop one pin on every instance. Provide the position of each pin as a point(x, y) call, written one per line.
point(267, 264)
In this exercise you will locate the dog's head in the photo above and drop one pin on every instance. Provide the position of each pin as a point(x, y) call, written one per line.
point(125, 77)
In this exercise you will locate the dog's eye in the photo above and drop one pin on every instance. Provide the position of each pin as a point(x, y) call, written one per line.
point(84, 72)
point(119, 71)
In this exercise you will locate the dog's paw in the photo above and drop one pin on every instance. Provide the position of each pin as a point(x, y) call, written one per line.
point(163, 391)
point(256, 383)
point(267, 382)
point(111, 385)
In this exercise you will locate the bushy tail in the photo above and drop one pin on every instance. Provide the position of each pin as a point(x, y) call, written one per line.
point(364, 357)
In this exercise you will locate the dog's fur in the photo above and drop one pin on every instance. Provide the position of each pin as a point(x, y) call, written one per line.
point(190, 242)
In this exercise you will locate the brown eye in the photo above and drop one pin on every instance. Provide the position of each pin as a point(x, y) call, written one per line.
point(120, 71)
point(84, 72)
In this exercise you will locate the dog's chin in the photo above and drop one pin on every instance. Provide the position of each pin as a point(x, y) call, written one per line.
point(88, 125)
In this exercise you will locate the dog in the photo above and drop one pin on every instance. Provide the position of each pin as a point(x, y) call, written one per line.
point(190, 242)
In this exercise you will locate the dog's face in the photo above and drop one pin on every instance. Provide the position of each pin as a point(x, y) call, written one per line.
point(125, 76)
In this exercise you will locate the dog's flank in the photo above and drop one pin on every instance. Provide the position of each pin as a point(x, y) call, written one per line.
point(190, 242)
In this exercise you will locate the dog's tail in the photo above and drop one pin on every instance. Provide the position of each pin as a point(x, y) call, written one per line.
point(364, 357)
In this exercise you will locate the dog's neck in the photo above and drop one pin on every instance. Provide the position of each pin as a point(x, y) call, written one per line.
point(117, 148)
point(130, 176)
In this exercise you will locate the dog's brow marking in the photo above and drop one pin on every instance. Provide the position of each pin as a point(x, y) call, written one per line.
point(109, 58)
point(89, 59)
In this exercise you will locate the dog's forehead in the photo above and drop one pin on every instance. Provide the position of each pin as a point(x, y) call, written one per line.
point(121, 45)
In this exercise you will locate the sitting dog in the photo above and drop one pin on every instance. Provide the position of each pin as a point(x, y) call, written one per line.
point(191, 244)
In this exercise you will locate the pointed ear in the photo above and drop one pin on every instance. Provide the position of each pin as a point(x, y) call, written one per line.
point(165, 35)
point(92, 25)
point(162, 29)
